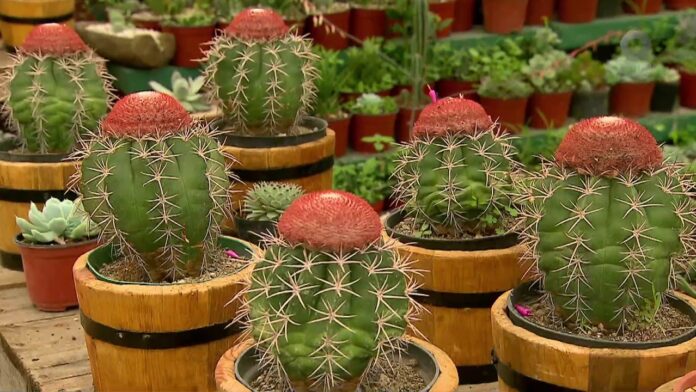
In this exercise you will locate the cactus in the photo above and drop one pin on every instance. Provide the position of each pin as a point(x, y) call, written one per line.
point(454, 175)
point(267, 200)
point(329, 298)
point(59, 222)
point(58, 89)
point(262, 75)
point(157, 184)
point(608, 224)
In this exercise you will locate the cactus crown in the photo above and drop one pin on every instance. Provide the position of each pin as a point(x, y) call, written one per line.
point(53, 39)
point(266, 201)
point(146, 114)
point(58, 222)
point(257, 24)
point(452, 116)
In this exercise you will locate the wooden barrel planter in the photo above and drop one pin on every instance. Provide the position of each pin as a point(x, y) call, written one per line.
point(19, 17)
point(156, 337)
point(528, 361)
point(240, 360)
point(25, 179)
point(461, 281)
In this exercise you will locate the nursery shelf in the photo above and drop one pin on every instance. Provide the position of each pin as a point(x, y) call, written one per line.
point(130, 80)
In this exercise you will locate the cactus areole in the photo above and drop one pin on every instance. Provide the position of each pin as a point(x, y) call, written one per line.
point(257, 24)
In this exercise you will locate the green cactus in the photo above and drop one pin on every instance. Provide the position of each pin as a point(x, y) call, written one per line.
point(58, 222)
point(266, 201)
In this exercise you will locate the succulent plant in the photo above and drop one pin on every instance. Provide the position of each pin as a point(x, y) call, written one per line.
point(374, 105)
point(262, 75)
point(58, 90)
point(455, 174)
point(550, 72)
point(186, 91)
point(266, 201)
point(623, 69)
point(329, 298)
point(157, 185)
point(666, 75)
point(607, 224)
point(58, 222)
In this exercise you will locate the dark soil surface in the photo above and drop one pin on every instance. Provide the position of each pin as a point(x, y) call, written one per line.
point(412, 227)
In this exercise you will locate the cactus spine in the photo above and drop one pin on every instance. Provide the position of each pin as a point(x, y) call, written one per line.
point(329, 298)
point(57, 88)
point(608, 224)
point(157, 185)
point(262, 75)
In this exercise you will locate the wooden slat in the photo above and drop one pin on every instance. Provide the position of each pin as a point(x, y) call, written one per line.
point(11, 279)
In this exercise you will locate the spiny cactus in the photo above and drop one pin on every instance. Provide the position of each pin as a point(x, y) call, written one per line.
point(58, 90)
point(58, 222)
point(454, 175)
point(608, 223)
point(329, 298)
point(157, 185)
point(266, 201)
point(262, 75)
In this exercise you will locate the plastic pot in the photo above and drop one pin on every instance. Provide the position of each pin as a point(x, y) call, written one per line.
point(464, 11)
point(368, 22)
point(609, 8)
point(588, 104)
point(664, 97)
point(329, 36)
point(191, 44)
point(48, 271)
point(504, 16)
point(445, 10)
point(577, 11)
point(548, 111)
point(342, 128)
point(454, 87)
point(680, 4)
point(687, 89)
point(362, 126)
point(643, 7)
point(510, 112)
point(631, 99)
point(538, 11)
point(404, 125)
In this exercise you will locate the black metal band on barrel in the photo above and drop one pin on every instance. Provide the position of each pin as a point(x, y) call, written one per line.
point(37, 21)
point(520, 382)
point(476, 374)
point(157, 340)
point(457, 300)
point(26, 196)
point(287, 173)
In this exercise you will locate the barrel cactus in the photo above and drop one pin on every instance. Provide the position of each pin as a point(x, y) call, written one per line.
point(58, 89)
point(329, 298)
point(261, 74)
point(608, 223)
point(455, 174)
point(267, 201)
point(157, 185)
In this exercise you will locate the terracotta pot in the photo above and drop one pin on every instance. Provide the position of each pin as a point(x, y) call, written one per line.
point(48, 271)
point(510, 112)
point(464, 12)
point(631, 99)
point(378, 206)
point(191, 44)
point(687, 89)
point(342, 128)
point(548, 111)
point(364, 125)
point(538, 11)
point(453, 87)
point(504, 16)
point(643, 7)
point(348, 97)
point(680, 4)
point(403, 124)
point(368, 22)
point(328, 34)
point(445, 10)
point(577, 11)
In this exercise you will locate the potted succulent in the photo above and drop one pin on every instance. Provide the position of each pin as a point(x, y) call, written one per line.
point(193, 28)
point(156, 183)
point(372, 114)
point(539, 12)
point(369, 18)
point(366, 71)
point(188, 92)
point(353, 289)
point(329, 24)
point(292, 11)
point(680, 51)
point(49, 116)
point(632, 82)
point(457, 71)
point(367, 178)
point(263, 205)
point(50, 242)
point(328, 103)
point(643, 7)
point(504, 16)
point(505, 91)
point(666, 91)
point(573, 11)
point(591, 95)
point(444, 10)
point(606, 264)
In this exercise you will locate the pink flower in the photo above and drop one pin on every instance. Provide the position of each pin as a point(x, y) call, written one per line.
point(232, 254)
point(523, 310)
point(433, 94)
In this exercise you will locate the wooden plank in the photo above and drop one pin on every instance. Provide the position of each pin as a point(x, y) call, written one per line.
point(16, 308)
point(491, 387)
point(10, 279)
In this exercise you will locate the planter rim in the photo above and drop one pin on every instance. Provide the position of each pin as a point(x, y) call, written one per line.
point(10, 156)
point(582, 341)
point(278, 141)
point(503, 241)
point(602, 90)
point(19, 240)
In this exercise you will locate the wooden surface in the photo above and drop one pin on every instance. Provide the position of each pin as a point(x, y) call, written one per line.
point(14, 33)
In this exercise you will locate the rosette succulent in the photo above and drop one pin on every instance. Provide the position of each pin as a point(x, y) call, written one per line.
point(60, 221)
point(266, 201)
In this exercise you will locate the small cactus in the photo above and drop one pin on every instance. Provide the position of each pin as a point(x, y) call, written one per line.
point(157, 185)
point(58, 90)
point(608, 224)
point(267, 201)
point(60, 221)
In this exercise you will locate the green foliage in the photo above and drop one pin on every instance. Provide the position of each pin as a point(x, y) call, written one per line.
point(681, 48)
point(198, 16)
point(587, 73)
point(550, 72)
point(366, 69)
point(373, 104)
point(505, 86)
point(405, 11)
point(666, 75)
point(267, 201)
point(58, 222)
point(329, 82)
point(502, 70)
point(544, 40)
point(186, 91)
point(367, 178)
point(623, 69)
point(533, 147)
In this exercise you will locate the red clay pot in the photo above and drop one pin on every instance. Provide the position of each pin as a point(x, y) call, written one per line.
point(631, 99)
point(577, 11)
point(403, 124)
point(445, 10)
point(191, 44)
point(548, 111)
point(643, 7)
point(504, 16)
point(378, 206)
point(341, 126)
point(368, 22)
point(680, 4)
point(329, 36)
point(510, 112)
point(363, 126)
point(454, 88)
point(687, 89)
point(464, 11)
point(538, 11)
point(48, 271)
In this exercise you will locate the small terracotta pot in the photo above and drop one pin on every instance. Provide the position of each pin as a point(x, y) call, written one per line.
point(538, 11)
point(686, 382)
point(368, 22)
point(680, 4)
point(341, 127)
point(464, 12)
point(631, 99)
point(48, 271)
point(548, 111)
point(363, 126)
point(504, 16)
point(454, 88)
point(687, 89)
point(403, 124)
point(378, 206)
point(328, 34)
point(643, 7)
point(191, 44)
point(510, 112)
point(577, 11)
point(445, 10)
point(348, 97)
